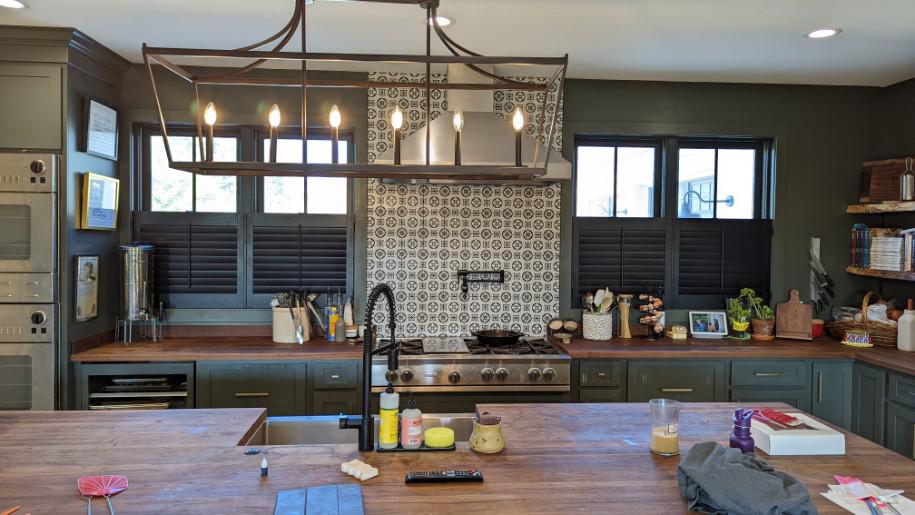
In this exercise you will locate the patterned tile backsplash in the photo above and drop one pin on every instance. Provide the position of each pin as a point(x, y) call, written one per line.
point(419, 236)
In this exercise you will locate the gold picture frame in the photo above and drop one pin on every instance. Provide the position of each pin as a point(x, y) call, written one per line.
point(99, 206)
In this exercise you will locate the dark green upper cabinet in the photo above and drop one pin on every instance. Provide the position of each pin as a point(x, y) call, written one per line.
point(832, 385)
point(30, 100)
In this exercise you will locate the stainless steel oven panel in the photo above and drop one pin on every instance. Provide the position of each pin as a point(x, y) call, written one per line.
point(27, 376)
point(37, 254)
point(27, 323)
point(29, 173)
point(26, 288)
point(425, 373)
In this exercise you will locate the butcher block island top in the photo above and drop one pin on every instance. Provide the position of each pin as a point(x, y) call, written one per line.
point(559, 458)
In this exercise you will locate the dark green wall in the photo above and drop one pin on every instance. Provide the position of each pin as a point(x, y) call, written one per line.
point(822, 136)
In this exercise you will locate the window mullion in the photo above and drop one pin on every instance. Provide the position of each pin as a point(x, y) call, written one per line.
point(715, 188)
point(616, 153)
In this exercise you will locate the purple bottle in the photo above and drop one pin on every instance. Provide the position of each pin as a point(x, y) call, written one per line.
point(741, 437)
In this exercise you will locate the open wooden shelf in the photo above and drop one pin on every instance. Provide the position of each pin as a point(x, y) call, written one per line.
point(883, 274)
point(897, 206)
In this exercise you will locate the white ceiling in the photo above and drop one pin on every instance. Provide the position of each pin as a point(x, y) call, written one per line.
point(677, 40)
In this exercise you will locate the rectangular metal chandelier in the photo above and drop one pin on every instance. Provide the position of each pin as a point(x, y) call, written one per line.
point(260, 53)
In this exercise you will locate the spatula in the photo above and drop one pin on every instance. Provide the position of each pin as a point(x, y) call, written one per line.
point(101, 486)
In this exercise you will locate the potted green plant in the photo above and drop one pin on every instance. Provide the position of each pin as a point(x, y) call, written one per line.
point(739, 317)
point(762, 316)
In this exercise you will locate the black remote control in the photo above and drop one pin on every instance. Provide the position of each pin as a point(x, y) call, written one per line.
point(445, 476)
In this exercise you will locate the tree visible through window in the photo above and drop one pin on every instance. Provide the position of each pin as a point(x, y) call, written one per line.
point(325, 195)
point(176, 190)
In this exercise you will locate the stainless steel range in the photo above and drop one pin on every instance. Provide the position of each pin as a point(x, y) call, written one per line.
point(456, 365)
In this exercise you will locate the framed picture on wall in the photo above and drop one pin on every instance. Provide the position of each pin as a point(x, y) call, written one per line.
point(99, 206)
point(100, 129)
point(86, 284)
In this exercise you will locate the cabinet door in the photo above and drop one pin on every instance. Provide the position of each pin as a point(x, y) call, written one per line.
point(868, 401)
point(30, 100)
point(335, 402)
point(689, 381)
point(601, 373)
point(900, 429)
point(787, 373)
point(602, 395)
point(832, 388)
point(278, 387)
point(797, 397)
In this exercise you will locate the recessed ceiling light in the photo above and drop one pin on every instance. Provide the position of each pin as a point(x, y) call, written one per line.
point(12, 4)
point(823, 33)
point(443, 21)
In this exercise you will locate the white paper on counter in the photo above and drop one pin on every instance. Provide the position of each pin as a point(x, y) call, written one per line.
point(835, 494)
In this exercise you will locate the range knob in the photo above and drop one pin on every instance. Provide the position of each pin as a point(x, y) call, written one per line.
point(39, 317)
point(549, 374)
point(37, 166)
point(501, 374)
point(406, 375)
point(487, 374)
point(533, 374)
point(390, 376)
point(454, 377)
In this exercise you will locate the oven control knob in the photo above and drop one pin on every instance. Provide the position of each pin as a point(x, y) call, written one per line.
point(406, 375)
point(454, 377)
point(549, 374)
point(37, 166)
point(390, 376)
point(487, 374)
point(501, 374)
point(533, 374)
point(39, 317)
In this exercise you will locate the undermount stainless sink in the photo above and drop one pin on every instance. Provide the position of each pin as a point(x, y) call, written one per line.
point(320, 430)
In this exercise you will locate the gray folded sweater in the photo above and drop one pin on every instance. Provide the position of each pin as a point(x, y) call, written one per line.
point(721, 481)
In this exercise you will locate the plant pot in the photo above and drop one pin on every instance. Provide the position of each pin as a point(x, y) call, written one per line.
point(764, 328)
point(739, 327)
point(597, 326)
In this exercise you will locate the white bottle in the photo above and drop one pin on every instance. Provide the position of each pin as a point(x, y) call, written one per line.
point(905, 338)
point(390, 407)
point(411, 427)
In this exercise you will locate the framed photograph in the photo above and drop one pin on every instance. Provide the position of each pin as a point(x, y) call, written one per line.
point(86, 281)
point(100, 129)
point(99, 208)
point(708, 324)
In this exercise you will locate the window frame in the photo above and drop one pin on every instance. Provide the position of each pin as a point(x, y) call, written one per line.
point(761, 191)
point(622, 141)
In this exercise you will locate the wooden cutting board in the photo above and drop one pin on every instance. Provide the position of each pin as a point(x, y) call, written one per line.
point(794, 319)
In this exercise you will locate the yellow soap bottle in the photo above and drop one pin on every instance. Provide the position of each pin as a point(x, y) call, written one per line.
point(390, 408)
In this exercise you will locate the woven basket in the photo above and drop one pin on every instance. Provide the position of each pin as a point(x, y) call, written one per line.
point(881, 333)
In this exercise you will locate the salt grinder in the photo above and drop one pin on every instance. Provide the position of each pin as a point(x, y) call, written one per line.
point(741, 437)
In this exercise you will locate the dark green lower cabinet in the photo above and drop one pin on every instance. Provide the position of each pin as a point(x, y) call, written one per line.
point(832, 387)
point(683, 380)
point(797, 397)
point(280, 388)
point(335, 402)
point(900, 429)
point(868, 401)
point(601, 395)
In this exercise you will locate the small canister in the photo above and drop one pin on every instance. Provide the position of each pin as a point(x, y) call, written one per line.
point(907, 182)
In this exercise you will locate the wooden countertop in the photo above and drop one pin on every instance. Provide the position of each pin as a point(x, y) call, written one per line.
point(586, 458)
point(244, 348)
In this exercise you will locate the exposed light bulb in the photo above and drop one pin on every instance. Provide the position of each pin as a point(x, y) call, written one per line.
point(458, 121)
point(12, 4)
point(443, 21)
point(335, 117)
point(397, 119)
point(518, 120)
point(274, 116)
point(209, 114)
point(823, 33)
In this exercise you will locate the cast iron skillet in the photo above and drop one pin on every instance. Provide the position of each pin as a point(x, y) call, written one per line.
point(498, 336)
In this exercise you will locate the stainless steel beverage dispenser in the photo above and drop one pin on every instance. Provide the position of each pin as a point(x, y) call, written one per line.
point(137, 293)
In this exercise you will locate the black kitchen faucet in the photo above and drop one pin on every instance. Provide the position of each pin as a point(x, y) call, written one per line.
point(365, 422)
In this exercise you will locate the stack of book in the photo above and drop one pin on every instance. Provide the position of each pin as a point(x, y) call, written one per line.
point(883, 249)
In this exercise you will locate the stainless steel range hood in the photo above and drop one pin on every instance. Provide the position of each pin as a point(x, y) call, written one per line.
point(487, 138)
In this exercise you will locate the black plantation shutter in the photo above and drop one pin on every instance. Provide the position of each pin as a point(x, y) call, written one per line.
point(718, 257)
point(298, 257)
point(622, 259)
point(196, 257)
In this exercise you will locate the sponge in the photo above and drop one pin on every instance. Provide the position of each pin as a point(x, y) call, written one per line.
point(359, 470)
point(439, 437)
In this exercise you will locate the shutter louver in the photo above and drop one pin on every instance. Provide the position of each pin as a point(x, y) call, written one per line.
point(194, 258)
point(298, 257)
point(644, 260)
point(725, 258)
point(700, 262)
point(621, 259)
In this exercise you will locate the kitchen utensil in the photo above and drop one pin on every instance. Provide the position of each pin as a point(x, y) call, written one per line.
point(101, 486)
point(599, 298)
point(588, 301)
point(497, 336)
point(297, 320)
point(794, 319)
point(14, 509)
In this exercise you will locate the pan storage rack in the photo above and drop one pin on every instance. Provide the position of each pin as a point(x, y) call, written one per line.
point(119, 386)
point(902, 217)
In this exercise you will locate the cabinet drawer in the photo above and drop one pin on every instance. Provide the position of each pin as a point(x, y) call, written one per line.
point(601, 373)
point(683, 381)
point(602, 395)
point(277, 387)
point(335, 375)
point(780, 373)
point(335, 402)
point(902, 389)
point(797, 397)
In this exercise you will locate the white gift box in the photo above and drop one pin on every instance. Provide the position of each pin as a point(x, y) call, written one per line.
point(821, 440)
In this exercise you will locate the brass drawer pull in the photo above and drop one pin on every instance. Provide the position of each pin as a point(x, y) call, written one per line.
point(335, 376)
point(601, 374)
point(251, 395)
point(677, 390)
point(768, 374)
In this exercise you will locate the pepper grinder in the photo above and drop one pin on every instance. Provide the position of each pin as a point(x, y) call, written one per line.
point(907, 182)
point(741, 438)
